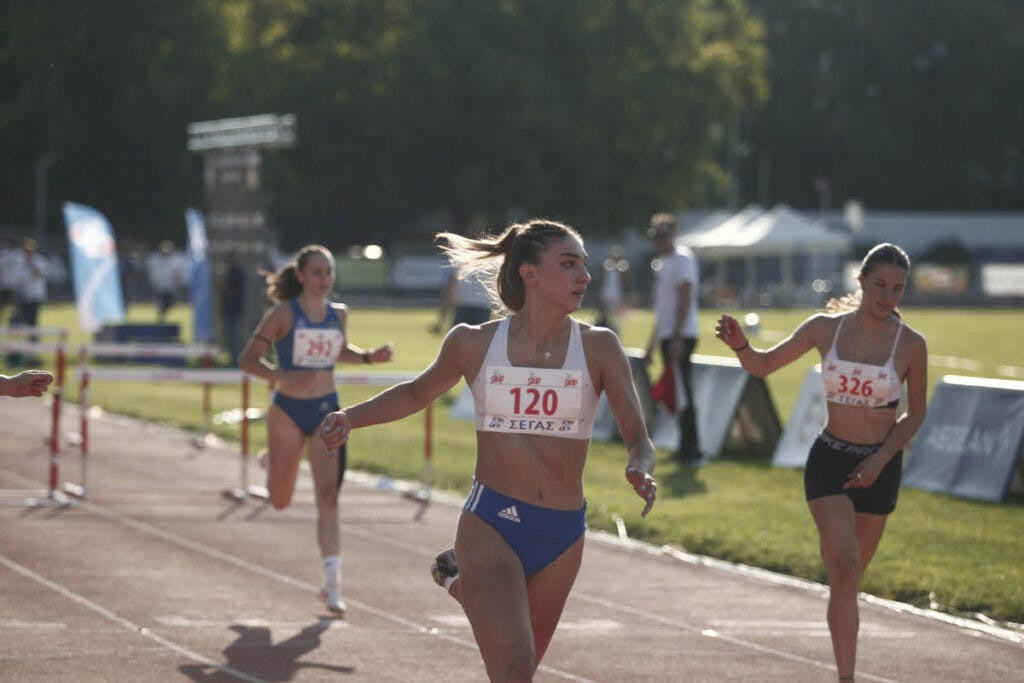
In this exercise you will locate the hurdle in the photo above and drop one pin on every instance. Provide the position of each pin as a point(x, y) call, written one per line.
point(424, 492)
point(244, 491)
point(136, 351)
point(52, 496)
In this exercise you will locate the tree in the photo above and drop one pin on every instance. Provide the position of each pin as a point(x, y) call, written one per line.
point(906, 105)
point(595, 111)
point(105, 92)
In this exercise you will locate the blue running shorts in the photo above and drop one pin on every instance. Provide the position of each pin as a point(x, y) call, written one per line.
point(537, 535)
point(306, 413)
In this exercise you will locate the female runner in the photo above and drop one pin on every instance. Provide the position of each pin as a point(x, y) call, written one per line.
point(308, 332)
point(852, 475)
point(536, 376)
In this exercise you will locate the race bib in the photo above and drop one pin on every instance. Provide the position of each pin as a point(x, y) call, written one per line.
point(854, 385)
point(316, 347)
point(532, 400)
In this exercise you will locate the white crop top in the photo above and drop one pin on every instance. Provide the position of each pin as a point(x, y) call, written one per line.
point(558, 402)
point(861, 384)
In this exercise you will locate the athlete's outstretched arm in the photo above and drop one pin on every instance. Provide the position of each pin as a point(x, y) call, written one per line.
point(402, 399)
point(763, 363)
point(617, 381)
point(26, 383)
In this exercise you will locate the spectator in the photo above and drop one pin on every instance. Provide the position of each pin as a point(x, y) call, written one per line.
point(31, 269)
point(469, 300)
point(676, 278)
point(9, 260)
point(167, 274)
point(613, 286)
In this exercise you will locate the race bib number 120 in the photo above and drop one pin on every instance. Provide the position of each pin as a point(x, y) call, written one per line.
point(532, 400)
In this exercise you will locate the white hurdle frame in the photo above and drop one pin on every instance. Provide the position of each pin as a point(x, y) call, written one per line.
point(52, 496)
point(136, 351)
point(208, 377)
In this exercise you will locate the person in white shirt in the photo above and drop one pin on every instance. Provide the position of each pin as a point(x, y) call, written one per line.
point(611, 296)
point(465, 300)
point(536, 376)
point(167, 274)
point(675, 331)
point(9, 259)
point(31, 268)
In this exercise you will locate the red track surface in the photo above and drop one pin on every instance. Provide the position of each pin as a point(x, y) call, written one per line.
point(159, 578)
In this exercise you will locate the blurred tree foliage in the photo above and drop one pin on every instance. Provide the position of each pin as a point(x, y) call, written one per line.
point(594, 111)
point(906, 105)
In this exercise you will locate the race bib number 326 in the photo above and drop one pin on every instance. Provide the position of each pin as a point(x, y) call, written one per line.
point(532, 400)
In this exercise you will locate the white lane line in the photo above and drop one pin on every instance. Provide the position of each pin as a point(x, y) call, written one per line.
point(634, 545)
point(711, 633)
point(129, 625)
point(183, 542)
point(800, 627)
point(31, 625)
point(676, 623)
point(180, 621)
point(578, 625)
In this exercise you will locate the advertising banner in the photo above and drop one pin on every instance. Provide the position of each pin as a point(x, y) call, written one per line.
point(93, 255)
point(971, 439)
point(199, 265)
point(805, 421)
point(734, 410)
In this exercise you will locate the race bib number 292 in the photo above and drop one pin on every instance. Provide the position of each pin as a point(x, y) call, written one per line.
point(316, 347)
point(532, 400)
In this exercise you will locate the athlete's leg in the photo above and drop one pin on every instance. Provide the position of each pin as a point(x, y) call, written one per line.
point(834, 517)
point(548, 590)
point(284, 447)
point(492, 591)
point(869, 530)
point(325, 488)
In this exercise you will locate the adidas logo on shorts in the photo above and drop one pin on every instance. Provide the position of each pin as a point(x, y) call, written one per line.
point(511, 514)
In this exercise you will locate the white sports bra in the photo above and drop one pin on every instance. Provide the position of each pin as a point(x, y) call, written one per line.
point(861, 384)
point(558, 402)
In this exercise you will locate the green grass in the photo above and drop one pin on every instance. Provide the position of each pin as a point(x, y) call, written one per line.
point(965, 556)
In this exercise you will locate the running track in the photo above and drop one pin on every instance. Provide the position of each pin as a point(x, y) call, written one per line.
point(159, 578)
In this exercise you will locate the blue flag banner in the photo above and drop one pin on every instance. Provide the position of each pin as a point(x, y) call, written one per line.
point(202, 306)
point(94, 268)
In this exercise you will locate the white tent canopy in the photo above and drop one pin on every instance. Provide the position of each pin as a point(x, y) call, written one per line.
point(715, 236)
point(782, 231)
point(787, 249)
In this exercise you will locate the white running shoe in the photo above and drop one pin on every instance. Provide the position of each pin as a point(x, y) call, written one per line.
point(445, 570)
point(332, 600)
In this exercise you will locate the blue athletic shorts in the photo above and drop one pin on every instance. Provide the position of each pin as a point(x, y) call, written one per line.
point(306, 413)
point(537, 535)
point(830, 463)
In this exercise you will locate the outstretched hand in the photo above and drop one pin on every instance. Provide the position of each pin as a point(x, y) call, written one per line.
point(644, 485)
point(334, 430)
point(27, 383)
point(382, 354)
point(728, 329)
